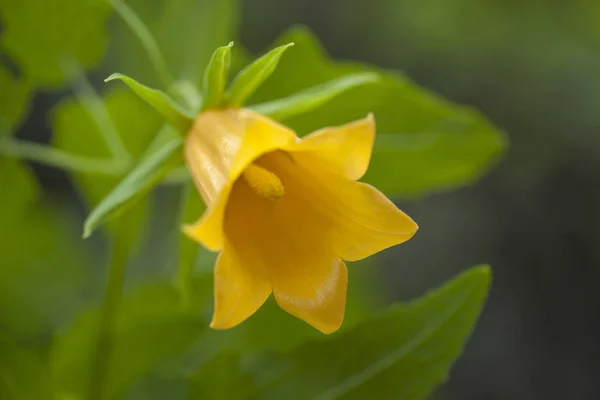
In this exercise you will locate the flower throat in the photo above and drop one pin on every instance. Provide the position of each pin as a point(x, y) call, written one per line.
point(264, 182)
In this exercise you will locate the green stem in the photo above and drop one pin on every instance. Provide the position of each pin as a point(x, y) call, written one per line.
point(148, 42)
point(190, 210)
point(95, 106)
point(177, 176)
point(43, 154)
point(114, 293)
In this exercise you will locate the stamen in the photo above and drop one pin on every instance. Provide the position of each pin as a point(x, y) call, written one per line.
point(264, 182)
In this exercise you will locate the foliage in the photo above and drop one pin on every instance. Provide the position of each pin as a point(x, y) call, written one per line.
point(118, 147)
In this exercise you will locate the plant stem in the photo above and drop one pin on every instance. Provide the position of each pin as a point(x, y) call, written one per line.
point(148, 42)
point(190, 209)
point(47, 155)
point(95, 106)
point(114, 293)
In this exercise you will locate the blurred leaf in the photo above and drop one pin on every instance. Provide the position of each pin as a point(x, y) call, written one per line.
point(40, 270)
point(38, 33)
point(216, 75)
point(143, 177)
point(22, 375)
point(14, 100)
point(313, 97)
point(151, 328)
point(187, 31)
point(251, 77)
point(160, 102)
point(401, 354)
point(191, 29)
point(434, 145)
point(20, 190)
point(75, 131)
point(222, 378)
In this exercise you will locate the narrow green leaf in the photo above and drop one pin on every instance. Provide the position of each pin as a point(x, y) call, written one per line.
point(141, 179)
point(404, 353)
point(215, 76)
point(313, 97)
point(251, 77)
point(160, 101)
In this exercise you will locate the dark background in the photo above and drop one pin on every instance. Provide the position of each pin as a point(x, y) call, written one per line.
point(533, 68)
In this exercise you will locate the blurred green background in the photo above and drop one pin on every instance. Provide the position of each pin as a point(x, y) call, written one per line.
point(532, 67)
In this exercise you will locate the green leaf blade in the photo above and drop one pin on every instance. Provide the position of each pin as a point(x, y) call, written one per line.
point(404, 353)
point(159, 101)
point(253, 76)
point(140, 180)
point(215, 76)
point(77, 30)
point(439, 145)
point(313, 97)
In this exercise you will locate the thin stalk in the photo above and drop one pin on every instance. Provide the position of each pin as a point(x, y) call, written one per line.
point(191, 208)
point(114, 293)
point(148, 42)
point(53, 157)
point(95, 106)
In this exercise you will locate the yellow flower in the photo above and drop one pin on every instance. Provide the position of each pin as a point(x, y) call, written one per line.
point(284, 212)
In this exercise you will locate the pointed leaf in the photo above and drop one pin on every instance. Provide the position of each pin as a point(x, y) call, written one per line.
point(77, 132)
point(313, 97)
point(439, 144)
point(251, 77)
point(160, 101)
point(401, 354)
point(140, 180)
point(215, 76)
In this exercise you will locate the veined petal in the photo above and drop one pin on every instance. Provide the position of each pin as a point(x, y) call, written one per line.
point(284, 237)
point(344, 149)
point(359, 219)
point(220, 145)
point(239, 290)
point(315, 293)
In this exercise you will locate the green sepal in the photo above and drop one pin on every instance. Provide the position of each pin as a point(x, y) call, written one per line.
point(159, 101)
point(142, 178)
point(215, 77)
point(251, 77)
point(310, 99)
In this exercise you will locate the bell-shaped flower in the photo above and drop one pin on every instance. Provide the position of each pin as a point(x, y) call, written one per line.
point(285, 213)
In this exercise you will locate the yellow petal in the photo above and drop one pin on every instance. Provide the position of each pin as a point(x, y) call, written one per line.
point(239, 290)
point(344, 149)
point(367, 221)
point(220, 145)
point(315, 293)
point(355, 218)
point(283, 238)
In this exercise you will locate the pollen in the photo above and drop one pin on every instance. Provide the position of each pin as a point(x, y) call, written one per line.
point(264, 182)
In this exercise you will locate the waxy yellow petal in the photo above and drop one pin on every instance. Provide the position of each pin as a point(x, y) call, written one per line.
point(345, 149)
point(285, 212)
point(315, 293)
point(220, 145)
point(239, 290)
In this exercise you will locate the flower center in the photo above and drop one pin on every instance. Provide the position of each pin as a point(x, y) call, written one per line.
point(264, 182)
